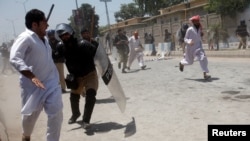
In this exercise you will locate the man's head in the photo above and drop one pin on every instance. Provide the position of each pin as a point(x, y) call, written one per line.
point(136, 34)
point(35, 20)
point(64, 32)
point(195, 20)
point(85, 34)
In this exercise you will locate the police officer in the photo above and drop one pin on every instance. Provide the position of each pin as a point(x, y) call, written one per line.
point(79, 58)
point(181, 34)
point(86, 37)
point(57, 58)
point(121, 43)
point(242, 34)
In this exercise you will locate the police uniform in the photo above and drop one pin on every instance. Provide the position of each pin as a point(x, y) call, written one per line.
point(121, 43)
point(79, 60)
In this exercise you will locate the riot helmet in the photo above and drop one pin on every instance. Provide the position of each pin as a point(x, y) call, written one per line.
point(185, 26)
point(63, 28)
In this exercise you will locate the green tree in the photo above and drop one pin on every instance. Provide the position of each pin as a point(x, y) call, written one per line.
point(85, 18)
point(141, 8)
point(227, 7)
point(127, 11)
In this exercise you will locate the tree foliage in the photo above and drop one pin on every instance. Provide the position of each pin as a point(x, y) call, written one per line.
point(127, 11)
point(85, 18)
point(141, 8)
point(227, 7)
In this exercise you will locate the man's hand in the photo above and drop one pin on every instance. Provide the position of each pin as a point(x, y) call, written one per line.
point(191, 43)
point(33, 78)
point(37, 82)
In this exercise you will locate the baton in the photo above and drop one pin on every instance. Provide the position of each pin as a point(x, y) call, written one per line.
point(50, 11)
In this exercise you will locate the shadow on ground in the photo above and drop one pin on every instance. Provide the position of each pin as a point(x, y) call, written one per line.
point(129, 128)
point(106, 100)
point(203, 80)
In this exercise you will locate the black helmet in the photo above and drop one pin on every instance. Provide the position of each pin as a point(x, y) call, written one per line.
point(51, 32)
point(184, 26)
point(63, 28)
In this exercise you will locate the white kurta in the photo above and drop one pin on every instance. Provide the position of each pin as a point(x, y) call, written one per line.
point(29, 52)
point(134, 43)
point(195, 50)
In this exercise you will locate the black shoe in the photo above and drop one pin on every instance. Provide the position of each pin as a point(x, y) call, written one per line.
point(143, 67)
point(73, 118)
point(123, 71)
point(119, 65)
point(181, 67)
point(25, 139)
point(206, 77)
point(85, 125)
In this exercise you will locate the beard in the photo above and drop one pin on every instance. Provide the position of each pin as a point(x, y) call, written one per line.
point(197, 25)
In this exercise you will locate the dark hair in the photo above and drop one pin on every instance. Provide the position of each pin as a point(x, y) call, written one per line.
point(33, 15)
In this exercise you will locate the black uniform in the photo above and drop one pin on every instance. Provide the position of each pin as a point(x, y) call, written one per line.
point(57, 58)
point(79, 60)
point(122, 49)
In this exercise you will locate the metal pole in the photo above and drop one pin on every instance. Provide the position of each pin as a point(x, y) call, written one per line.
point(107, 13)
point(109, 28)
point(23, 3)
point(13, 26)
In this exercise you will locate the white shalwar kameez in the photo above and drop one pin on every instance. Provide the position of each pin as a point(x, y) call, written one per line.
point(194, 51)
point(29, 52)
point(135, 43)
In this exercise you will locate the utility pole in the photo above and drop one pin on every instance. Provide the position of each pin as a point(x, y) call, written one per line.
point(23, 3)
point(187, 5)
point(13, 26)
point(109, 28)
point(107, 13)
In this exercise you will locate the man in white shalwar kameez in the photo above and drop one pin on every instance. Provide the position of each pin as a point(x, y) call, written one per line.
point(39, 79)
point(193, 48)
point(136, 51)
